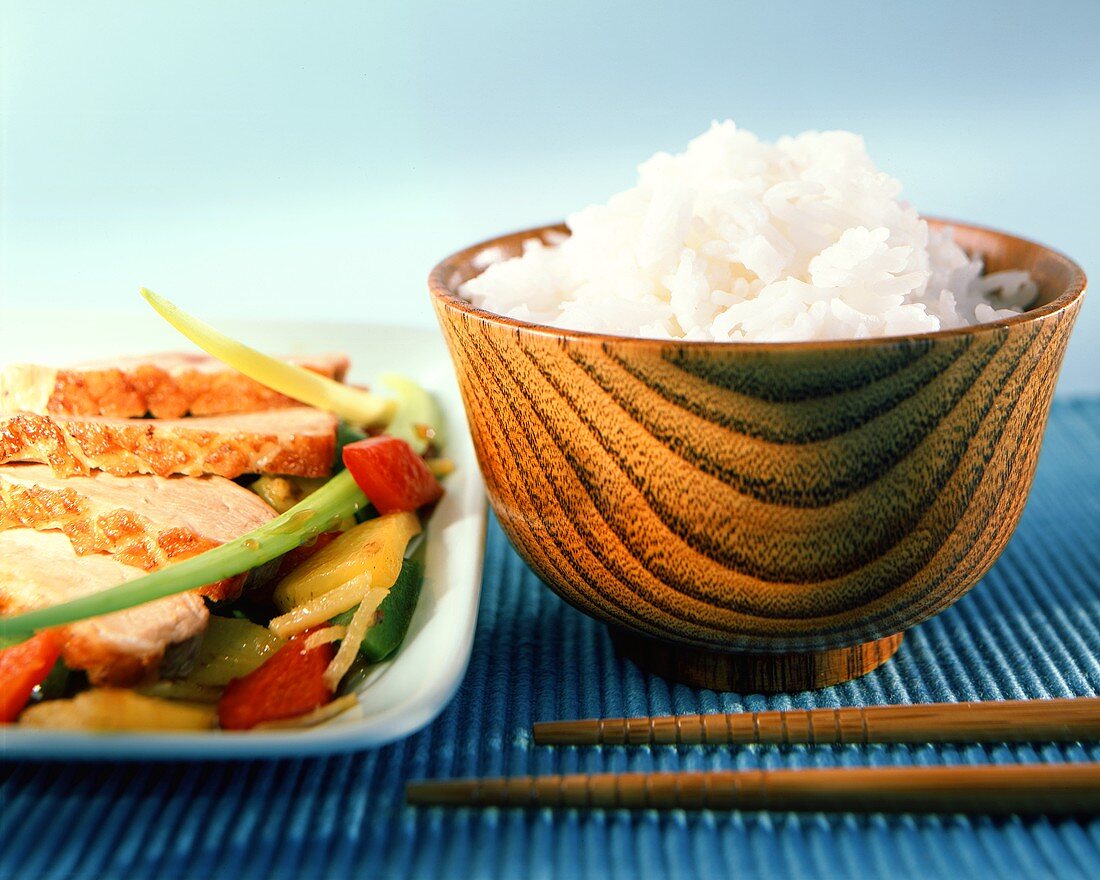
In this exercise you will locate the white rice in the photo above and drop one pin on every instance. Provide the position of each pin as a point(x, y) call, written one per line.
point(741, 240)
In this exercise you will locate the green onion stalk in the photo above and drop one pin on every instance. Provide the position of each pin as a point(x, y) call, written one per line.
point(340, 497)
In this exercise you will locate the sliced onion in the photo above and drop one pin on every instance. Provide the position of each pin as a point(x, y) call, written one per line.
point(357, 628)
point(325, 636)
point(321, 608)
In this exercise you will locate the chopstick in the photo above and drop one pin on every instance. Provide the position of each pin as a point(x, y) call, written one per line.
point(1052, 789)
point(1061, 720)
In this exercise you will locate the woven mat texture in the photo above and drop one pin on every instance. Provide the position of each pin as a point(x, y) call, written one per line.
point(1030, 629)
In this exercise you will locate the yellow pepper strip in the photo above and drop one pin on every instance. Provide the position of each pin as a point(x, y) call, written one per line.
point(352, 404)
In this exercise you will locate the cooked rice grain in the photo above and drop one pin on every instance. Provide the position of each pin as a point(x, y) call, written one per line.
point(740, 240)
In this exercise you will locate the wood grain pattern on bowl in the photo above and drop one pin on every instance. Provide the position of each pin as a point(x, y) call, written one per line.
point(786, 500)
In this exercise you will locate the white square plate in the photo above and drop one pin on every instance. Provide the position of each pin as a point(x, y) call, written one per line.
point(402, 695)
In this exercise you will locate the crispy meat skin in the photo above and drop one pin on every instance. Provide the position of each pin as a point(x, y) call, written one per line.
point(143, 521)
point(39, 569)
point(122, 527)
point(299, 441)
point(167, 386)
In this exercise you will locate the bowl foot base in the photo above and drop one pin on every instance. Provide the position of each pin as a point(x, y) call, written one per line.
point(754, 673)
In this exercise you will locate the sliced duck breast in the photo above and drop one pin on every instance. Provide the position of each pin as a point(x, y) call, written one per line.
point(40, 569)
point(168, 386)
point(300, 442)
point(143, 521)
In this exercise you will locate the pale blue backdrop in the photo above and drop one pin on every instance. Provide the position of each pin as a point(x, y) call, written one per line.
point(315, 159)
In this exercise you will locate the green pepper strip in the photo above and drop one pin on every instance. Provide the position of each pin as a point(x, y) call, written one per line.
point(340, 497)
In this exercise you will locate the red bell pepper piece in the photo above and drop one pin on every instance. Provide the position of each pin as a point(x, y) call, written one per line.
point(22, 668)
point(391, 475)
point(289, 683)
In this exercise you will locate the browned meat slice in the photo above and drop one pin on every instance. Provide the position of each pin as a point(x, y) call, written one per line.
point(142, 521)
point(299, 441)
point(167, 386)
point(39, 569)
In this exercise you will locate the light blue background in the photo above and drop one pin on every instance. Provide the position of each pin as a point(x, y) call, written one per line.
point(314, 160)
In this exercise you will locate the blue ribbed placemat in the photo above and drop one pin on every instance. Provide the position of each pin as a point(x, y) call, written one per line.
point(1030, 629)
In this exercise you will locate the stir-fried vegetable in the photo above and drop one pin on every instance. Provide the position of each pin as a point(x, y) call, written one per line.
point(363, 564)
point(361, 620)
point(374, 548)
point(56, 684)
point(440, 467)
point(393, 616)
point(23, 668)
point(289, 683)
point(326, 635)
point(231, 648)
point(282, 493)
point(181, 690)
point(319, 609)
point(117, 709)
point(352, 404)
point(392, 475)
point(338, 498)
point(418, 419)
point(346, 434)
point(312, 719)
point(300, 554)
point(347, 591)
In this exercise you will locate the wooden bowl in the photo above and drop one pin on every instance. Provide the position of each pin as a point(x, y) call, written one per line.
point(760, 516)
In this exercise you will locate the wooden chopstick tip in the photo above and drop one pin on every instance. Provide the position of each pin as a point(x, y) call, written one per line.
point(567, 733)
point(442, 792)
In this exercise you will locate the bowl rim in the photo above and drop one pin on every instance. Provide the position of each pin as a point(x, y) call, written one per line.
point(442, 292)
